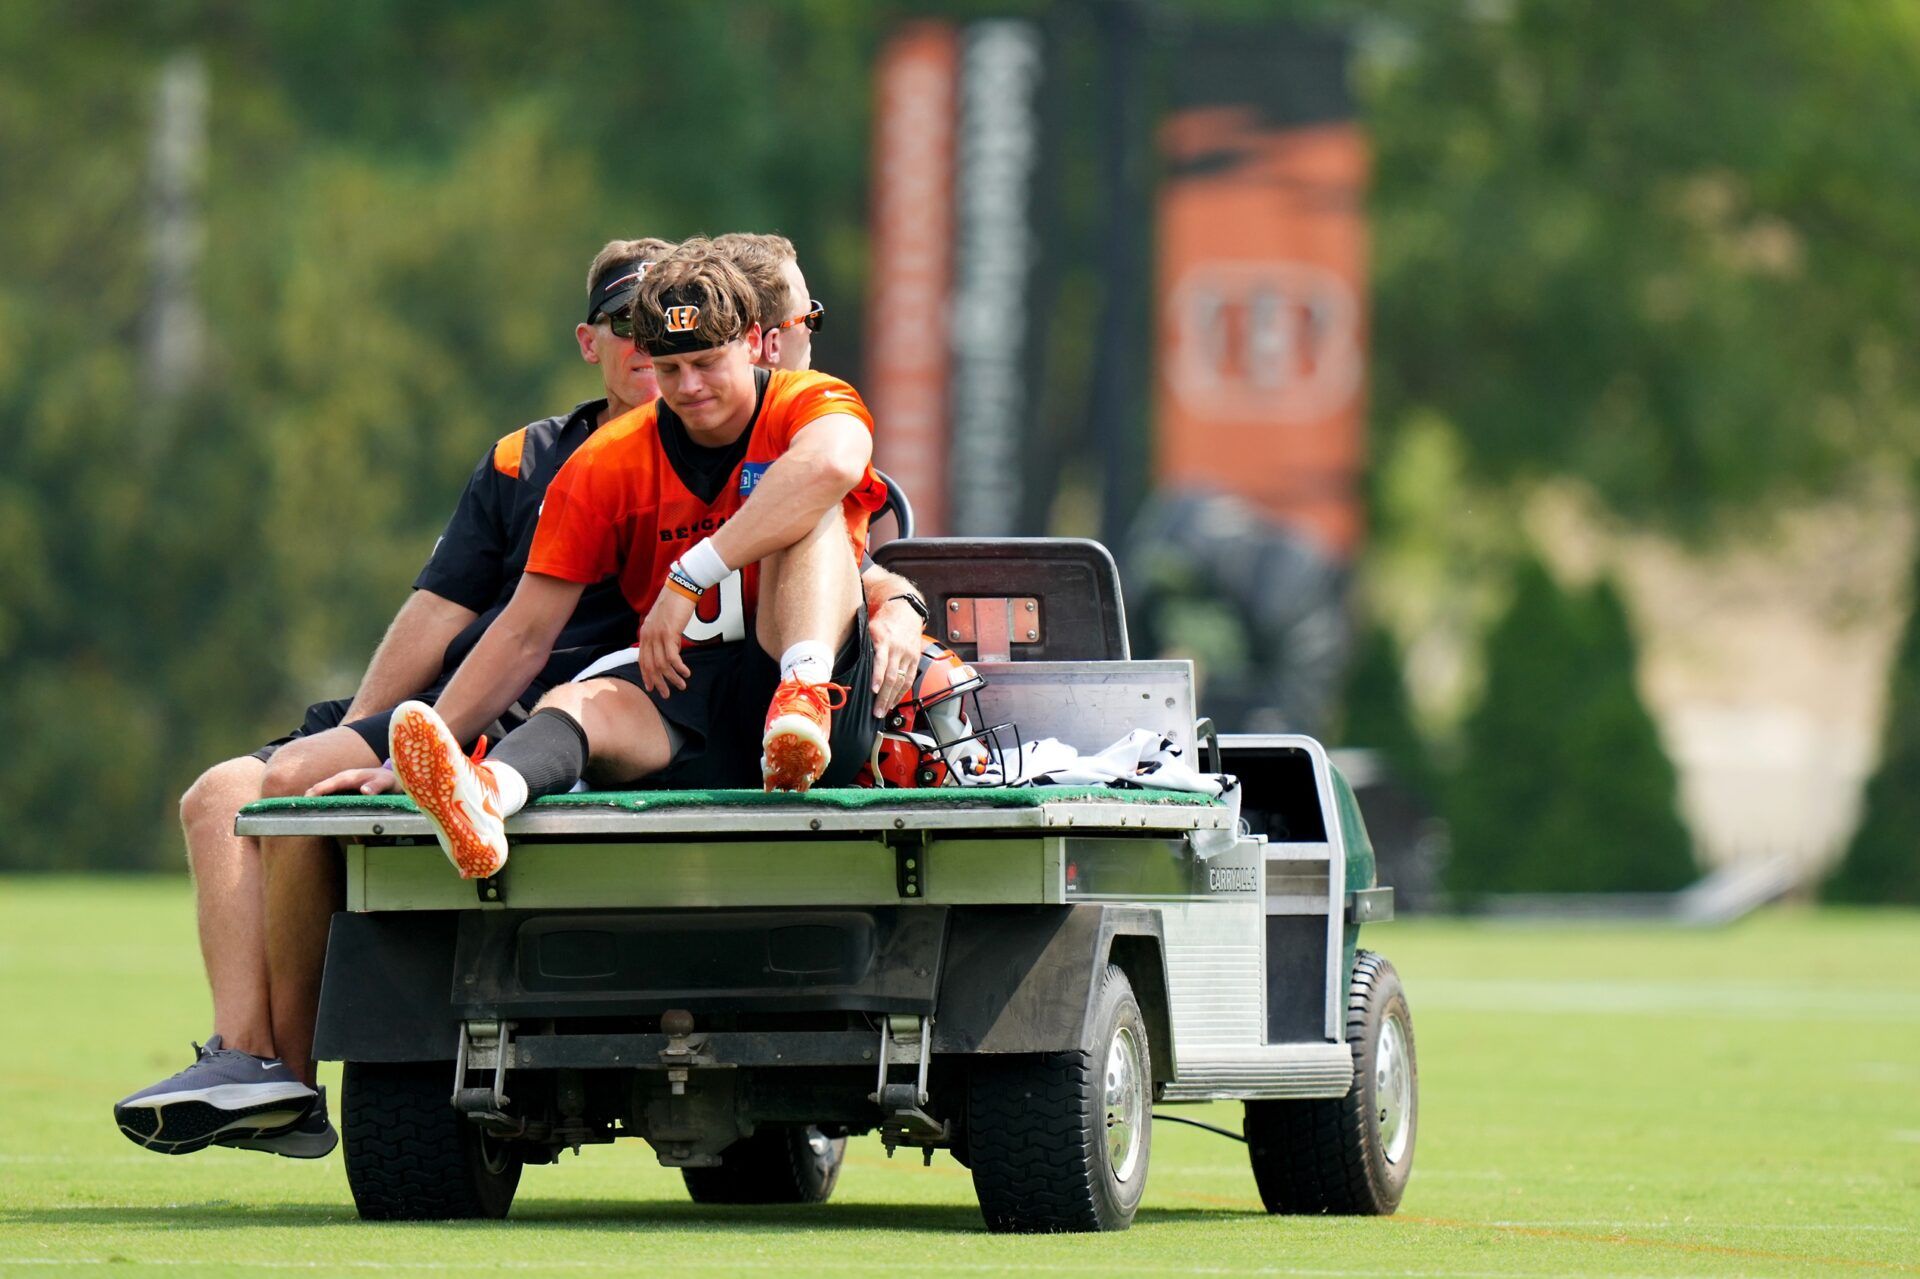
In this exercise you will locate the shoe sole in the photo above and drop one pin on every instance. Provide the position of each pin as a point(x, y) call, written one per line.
point(288, 1145)
point(183, 1123)
point(420, 759)
point(793, 754)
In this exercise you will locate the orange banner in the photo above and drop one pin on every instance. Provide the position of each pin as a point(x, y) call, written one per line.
point(905, 379)
point(1263, 325)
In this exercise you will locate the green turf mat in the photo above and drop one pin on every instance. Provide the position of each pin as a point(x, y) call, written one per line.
point(851, 797)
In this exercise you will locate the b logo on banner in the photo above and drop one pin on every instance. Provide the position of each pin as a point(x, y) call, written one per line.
point(1264, 341)
point(682, 319)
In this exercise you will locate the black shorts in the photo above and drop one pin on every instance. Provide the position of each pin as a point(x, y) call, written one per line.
point(322, 716)
point(722, 712)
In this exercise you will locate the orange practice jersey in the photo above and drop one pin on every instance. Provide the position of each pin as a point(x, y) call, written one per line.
point(627, 502)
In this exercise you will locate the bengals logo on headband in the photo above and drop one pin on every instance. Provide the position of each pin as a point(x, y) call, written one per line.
point(682, 319)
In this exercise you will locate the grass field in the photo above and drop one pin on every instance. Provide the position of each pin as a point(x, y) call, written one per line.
point(1594, 1101)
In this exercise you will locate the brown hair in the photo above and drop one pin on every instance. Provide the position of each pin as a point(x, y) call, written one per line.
point(700, 276)
point(759, 258)
point(642, 250)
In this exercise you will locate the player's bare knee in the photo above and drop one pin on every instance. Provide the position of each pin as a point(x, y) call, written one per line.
point(217, 793)
point(571, 698)
point(295, 767)
point(302, 763)
point(196, 802)
point(282, 777)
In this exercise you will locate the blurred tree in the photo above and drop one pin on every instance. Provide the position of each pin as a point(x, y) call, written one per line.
point(1667, 247)
point(1671, 248)
point(1563, 785)
point(399, 207)
point(1378, 715)
point(1882, 865)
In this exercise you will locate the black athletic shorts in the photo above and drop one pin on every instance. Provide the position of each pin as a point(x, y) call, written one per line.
point(722, 712)
point(322, 716)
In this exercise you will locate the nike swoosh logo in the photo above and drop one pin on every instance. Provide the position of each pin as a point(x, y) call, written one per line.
point(467, 810)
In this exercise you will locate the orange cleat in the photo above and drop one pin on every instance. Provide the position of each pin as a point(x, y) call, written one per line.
point(793, 750)
point(459, 795)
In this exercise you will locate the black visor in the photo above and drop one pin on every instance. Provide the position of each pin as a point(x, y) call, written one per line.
point(615, 289)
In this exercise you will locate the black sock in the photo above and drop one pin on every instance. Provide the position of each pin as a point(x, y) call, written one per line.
point(549, 750)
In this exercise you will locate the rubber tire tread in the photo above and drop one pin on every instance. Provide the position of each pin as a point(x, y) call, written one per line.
point(410, 1155)
point(1035, 1130)
point(1322, 1157)
point(774, 1166)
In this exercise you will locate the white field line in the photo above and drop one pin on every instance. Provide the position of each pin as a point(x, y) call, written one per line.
point(1699, 1226)
point(922, 1265)
point(88, 1161)
point(1653, 1179)
point(1736, 1000)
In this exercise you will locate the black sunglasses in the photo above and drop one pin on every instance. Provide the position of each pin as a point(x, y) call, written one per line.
point(621, 321)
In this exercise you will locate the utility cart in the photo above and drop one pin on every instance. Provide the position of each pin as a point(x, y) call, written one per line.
point(1018, 976)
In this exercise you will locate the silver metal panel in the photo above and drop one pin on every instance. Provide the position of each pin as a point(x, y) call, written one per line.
point(722, 821)
point(1091, 705)
point(1283, 853)
point(775, 873)
point(584, 876)
point(1336, 883)
point(653, 876)
point(1216, 976)
point(1335, 888)
point(1370, 905)
point(1135, 868)
point(1296, 904)
point(1270, 1070)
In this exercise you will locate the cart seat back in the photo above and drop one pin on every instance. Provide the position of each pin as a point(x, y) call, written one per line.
point(1023, 599)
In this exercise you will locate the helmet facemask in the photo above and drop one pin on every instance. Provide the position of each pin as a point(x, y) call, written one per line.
point(938, 736)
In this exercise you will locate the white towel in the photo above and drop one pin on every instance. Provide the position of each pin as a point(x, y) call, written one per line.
point(1141, 758)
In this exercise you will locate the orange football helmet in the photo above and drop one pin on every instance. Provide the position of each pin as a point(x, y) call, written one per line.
point(937, 735)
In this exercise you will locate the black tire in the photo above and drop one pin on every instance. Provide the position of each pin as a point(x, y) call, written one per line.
point(411, 1156)
point(1347, 1156)
point(1038, 1131)
point(779, 1164)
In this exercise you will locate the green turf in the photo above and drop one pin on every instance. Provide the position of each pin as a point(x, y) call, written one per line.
point(1596, 1101)
point(825, 797)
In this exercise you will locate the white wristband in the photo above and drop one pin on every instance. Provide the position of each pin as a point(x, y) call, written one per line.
point(704, 565)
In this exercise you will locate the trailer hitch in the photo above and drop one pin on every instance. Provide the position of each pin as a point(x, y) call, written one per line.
point(906, 1122)
point(485, 1104)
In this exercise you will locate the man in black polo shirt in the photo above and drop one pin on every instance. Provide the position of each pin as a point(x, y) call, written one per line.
point(250, 1085)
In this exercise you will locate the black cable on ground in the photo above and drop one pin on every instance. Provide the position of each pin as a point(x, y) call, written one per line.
point(1195, 1123)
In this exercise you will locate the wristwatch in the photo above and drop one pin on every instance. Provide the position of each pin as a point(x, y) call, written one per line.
point(915, 603)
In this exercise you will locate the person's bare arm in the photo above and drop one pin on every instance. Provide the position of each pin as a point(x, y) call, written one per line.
point(827, 458)
point(509, 655)
point(880, 586)
point(896, 631)
point(410, 653)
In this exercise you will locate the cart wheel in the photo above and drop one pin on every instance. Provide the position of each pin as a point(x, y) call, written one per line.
point(411, 1156)
point(779, 1164)
point(1059, 1141)
point(1350, 1155)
